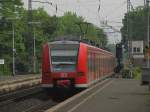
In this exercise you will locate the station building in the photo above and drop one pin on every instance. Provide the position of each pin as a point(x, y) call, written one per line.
point(137, 53)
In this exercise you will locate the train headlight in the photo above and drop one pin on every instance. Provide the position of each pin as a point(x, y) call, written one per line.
point(80, 74)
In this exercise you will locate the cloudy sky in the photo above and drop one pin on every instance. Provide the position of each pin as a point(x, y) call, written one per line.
point(111, 10)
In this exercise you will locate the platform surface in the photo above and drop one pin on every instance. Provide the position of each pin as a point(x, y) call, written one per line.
point(12, 83)
point(120, 95)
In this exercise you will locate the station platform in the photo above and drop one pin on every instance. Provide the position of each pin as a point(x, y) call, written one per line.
point(11, 83)
point(6, 78)
point(117, 95)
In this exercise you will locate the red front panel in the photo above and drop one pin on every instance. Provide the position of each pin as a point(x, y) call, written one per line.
point(82, 65)
point(63, 79)
point(46, 73)
point(59, 75)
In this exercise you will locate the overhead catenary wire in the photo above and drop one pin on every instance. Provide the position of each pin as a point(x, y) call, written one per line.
point(97, 13)
point(82, 2)
point(99, 1)
point(63, 11)
point(54, 5)
point(108, 26)
point(99, 6)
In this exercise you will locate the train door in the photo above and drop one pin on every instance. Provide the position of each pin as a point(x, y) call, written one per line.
point(103, 65)
point(93, 69)
point(99, 66)
point(96, 65)
point(89, 67)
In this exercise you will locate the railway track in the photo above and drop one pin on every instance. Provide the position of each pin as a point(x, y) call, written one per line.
point(41, 107)
point(31, 100)
point(37, 100)
point(10, 97)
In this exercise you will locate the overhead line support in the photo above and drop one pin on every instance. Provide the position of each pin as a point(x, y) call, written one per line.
point(148, 32)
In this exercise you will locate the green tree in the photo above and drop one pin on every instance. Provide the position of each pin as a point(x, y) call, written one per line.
point(68, 25)
point(9, 10)
point(137, 25)
point(43, 31)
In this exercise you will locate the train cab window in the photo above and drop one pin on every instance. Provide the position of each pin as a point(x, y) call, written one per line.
point(64, 57)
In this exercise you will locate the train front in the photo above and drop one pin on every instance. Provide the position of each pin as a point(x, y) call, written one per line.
point(62, 63)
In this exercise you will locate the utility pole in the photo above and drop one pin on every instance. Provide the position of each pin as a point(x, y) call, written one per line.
point(128, 30)
point(30, 10)
point(13, 50)
point(13, 46)
point(30, 37)
point(34, 45)
point(31, 32)
point(129, 37)
point(148, 33)
point(34, 52)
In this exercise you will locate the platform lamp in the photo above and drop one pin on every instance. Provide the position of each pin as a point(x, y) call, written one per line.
point(13, 43)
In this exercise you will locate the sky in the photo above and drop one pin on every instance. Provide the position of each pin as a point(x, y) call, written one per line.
point(111, 10)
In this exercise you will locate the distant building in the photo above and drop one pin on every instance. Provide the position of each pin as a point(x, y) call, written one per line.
point(137, 53)
point(137, 48)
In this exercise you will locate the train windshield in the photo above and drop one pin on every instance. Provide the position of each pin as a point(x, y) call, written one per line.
point(64, 56)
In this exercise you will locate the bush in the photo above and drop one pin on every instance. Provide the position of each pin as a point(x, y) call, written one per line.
point(137, 73)
point(5, 70)
point(126, 73)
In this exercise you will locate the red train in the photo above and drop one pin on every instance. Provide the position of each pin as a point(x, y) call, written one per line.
point(74, 63)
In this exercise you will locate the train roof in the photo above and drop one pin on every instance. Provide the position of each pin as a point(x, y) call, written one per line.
point(78, 42)
point(98, 48)
point(64, 41)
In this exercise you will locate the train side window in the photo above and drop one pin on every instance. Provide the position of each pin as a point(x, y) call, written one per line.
point(89, 66)
point(105, 63)
point(89, 62)
point(99, 65)
point(95, 62)
point(101, 60)
point(92, 62)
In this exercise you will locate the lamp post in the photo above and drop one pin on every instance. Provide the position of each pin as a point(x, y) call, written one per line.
point(13, 45)
point(34, 52)
point(34, 46)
